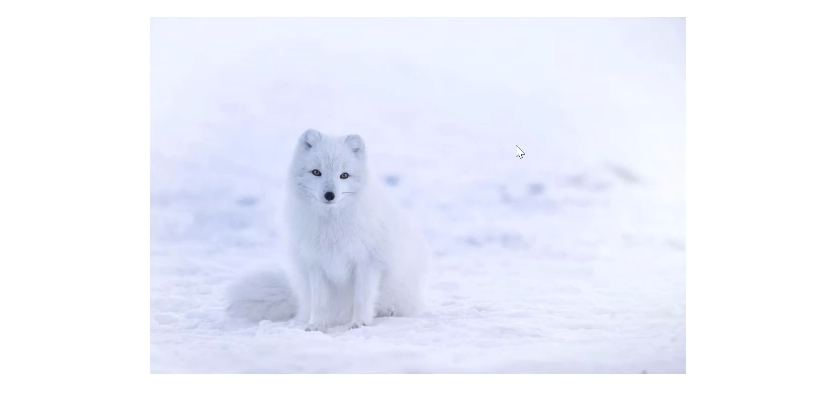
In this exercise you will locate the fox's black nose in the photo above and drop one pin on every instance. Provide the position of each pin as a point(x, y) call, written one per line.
point(330, 196)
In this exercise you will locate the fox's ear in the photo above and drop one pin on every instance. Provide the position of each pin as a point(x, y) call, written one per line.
point(355, 143)
point(310, 138)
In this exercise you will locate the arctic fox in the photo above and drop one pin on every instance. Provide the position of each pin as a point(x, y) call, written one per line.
point(354, 256)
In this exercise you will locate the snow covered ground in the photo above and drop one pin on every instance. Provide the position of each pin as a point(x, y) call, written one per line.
point(571, 260)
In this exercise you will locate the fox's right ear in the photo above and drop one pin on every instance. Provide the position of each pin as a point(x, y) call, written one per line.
point(355, 143)
point(310, 138)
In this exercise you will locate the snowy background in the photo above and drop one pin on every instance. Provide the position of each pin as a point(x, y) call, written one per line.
point(571, 260)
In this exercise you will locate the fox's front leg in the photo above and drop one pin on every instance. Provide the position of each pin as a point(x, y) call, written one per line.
point(300, 283)
point(319, 301)
point(367, 281)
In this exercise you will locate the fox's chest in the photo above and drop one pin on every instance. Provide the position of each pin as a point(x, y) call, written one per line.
point(339, 240)
point(337, 247)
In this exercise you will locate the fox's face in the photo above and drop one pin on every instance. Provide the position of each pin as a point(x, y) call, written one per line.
point(329, 170)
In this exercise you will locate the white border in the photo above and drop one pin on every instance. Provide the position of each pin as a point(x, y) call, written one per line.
point(749, 197)
point(421, 8)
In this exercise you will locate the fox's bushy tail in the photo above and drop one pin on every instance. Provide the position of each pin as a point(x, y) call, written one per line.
point(262, 296)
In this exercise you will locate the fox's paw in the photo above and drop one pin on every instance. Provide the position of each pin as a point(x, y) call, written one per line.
point(312, 327)
point(357, 324)
point(386, 312)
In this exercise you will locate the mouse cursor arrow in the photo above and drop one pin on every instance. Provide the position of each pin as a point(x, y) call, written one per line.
point(520, 153)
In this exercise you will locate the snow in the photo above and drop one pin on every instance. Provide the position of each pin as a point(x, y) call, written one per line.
point(570, 260)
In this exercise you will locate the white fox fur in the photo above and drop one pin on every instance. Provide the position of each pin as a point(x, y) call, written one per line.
point(354, 257)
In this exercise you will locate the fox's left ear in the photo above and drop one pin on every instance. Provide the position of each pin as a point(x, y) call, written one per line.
point(310, 138)
point(355, 143)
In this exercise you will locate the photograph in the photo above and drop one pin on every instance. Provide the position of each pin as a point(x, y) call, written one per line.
point(417, 195)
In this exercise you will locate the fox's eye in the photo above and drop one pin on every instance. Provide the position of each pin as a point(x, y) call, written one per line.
point(344, 175)
point(316, 172)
